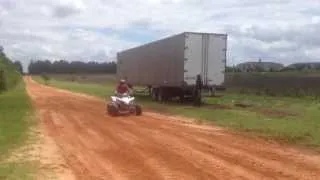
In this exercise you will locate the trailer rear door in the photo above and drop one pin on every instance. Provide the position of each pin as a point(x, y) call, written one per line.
point(205, 54)
point(215, 70)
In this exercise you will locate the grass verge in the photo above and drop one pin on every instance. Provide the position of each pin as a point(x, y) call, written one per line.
point(292, 120)
point(15, 112)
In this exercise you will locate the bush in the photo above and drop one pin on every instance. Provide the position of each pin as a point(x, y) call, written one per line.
point(3, 84)
point(45, 78)
point(9, 76)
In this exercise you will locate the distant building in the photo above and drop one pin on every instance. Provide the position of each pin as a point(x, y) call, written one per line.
point(304, 66)
point(259, 66)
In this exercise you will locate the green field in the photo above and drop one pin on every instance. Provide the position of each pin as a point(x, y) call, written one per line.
point(292, 120)
point(290, 84)
point(15, 121)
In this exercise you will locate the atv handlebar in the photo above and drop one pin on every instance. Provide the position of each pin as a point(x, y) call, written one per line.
point(130, 92)
point(122, 95)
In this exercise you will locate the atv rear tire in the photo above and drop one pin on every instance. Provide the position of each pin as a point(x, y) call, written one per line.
point(112, 110)
point(138, 110)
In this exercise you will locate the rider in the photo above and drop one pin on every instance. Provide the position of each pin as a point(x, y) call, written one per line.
point(122, 87)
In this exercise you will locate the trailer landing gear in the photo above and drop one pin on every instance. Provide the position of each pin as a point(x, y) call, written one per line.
point(158, 94)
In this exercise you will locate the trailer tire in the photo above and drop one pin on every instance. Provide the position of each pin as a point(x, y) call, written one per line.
point(154, 94)
point(162, 95)
point(197, 98)
point(212, 92)
point(181, 98)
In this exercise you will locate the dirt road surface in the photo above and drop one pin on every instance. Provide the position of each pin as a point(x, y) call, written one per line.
point(154, 146)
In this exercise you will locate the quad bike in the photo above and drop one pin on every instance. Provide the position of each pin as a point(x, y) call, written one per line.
point(123, 104)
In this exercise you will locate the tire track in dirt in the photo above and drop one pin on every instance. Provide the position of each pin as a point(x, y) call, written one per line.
point(244, 143)
point(139, 132)
point(271, 159)
point(155, 146)
point(139, 145)
point(222, 153)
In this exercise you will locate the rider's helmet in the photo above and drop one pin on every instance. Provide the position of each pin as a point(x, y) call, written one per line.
point(122, 81)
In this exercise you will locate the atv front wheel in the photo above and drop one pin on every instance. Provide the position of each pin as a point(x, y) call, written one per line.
point(112, 109)
point(138, 110)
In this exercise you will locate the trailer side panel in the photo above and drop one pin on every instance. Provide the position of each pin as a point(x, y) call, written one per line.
point(159, 63)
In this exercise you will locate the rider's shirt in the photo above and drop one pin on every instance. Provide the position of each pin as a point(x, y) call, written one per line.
point(122, 88)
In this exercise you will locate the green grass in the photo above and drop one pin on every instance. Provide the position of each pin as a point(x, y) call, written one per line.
point(15, 112)
point(92, 89)
point(17, 171)
point(302, 128)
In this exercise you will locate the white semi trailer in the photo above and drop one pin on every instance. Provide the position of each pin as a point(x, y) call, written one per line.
point(170, 67)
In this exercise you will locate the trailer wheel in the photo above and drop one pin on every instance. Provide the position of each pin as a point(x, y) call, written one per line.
point(161, 95)
point(154, 94)
point(181, 98)
point(197, 98)
point(212, 92)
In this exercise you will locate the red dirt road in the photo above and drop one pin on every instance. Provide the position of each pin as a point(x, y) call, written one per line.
point(96, 146)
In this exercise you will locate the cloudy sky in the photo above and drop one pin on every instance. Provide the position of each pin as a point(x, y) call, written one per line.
point(284, 31)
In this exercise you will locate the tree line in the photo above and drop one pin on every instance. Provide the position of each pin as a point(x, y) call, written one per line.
point(62, 66)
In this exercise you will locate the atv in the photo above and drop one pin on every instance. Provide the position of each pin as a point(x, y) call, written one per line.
point(123, 104)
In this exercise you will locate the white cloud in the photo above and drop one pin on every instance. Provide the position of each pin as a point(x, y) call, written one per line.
point(280, 30)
